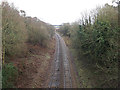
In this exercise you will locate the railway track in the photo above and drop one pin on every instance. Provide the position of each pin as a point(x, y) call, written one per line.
point(61, 75)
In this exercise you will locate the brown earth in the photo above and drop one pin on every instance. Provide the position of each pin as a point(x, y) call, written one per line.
point(33, 69)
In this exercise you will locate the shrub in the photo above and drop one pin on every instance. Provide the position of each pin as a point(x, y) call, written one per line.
point(13, 31)
point(96, 39)
point(65, 29)
point(17, 29)
point(38, 31)
point(9, 75)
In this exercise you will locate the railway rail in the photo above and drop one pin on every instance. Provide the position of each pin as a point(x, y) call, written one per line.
point(61, 75)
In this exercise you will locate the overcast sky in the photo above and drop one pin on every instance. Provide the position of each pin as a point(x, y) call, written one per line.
point(57, 12)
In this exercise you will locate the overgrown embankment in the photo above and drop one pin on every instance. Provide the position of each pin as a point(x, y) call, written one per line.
point(18, 31)
point(94, 41)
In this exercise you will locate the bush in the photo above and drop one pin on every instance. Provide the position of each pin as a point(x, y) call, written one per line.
point(9, 75)
point(17, 29)
point(65, 29)
point(38, 31)
point(98, 43)
point(96, 39)
point(13, 31)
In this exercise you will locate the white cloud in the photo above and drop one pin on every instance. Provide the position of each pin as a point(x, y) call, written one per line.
point(57, 11)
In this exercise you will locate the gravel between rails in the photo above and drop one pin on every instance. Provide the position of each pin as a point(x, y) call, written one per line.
point(61, 74)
